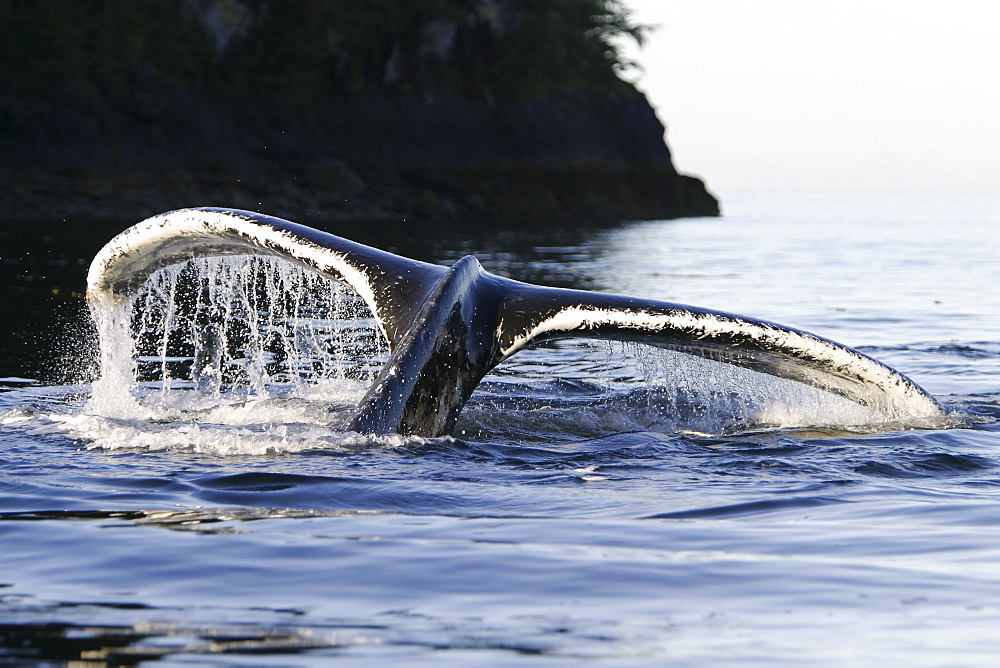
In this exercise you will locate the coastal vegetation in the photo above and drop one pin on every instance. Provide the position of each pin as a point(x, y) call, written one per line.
point(365, 109)
point(304, 50)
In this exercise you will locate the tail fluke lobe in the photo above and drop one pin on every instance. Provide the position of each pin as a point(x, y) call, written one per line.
point(758, 345)
point(387, 283)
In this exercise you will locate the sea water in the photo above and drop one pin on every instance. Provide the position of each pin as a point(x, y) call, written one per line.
point(200, 499)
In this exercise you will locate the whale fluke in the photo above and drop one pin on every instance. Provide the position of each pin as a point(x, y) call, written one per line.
point(447, 327)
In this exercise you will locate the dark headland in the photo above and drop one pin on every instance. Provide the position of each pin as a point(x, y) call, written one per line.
point(455, 111)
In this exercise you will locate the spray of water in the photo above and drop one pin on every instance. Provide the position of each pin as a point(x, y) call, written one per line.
point(704, 395)
point(227, 330)
point(250, 354)
point(587, 388)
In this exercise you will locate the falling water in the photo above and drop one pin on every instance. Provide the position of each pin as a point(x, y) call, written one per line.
point(238, 330)
point(589, 388)
point(231, 329)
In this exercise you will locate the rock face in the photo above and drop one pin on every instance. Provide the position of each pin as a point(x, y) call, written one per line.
point(427, 128)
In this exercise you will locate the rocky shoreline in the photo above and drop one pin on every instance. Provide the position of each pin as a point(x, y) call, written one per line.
point(503, 111)
point(80, 155)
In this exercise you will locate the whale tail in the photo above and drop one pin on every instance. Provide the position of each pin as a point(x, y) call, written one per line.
point(447, 327)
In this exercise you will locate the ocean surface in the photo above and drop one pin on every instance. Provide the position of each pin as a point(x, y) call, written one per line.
point(604, 503)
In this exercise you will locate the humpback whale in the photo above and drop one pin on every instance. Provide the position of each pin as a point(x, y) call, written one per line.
point(447, 327)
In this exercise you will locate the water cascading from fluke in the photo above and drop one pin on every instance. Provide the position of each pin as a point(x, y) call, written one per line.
point(231, 329)
point(590, 388)
point(225, 330)
point(445, 327)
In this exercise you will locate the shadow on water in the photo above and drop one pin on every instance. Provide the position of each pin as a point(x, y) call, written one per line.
point(134, 645)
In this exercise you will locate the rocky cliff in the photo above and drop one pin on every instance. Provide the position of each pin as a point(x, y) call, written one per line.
point(451, 110)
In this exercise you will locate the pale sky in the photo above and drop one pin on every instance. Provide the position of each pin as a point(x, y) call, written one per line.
point(827, 94)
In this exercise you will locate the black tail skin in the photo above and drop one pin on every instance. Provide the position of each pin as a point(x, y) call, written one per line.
point(448, 326)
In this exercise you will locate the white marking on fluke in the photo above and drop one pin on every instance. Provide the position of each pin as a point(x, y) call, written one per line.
point(447, 327)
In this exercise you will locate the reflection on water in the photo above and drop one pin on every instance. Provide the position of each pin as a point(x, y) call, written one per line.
point(871, 269)
point(597, 504)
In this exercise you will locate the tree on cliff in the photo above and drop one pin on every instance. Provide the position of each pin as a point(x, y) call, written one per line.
point(373, 109)
point(301, 50)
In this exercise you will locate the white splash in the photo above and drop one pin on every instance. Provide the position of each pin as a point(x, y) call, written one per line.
point(626, 387)
point(231, 355)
